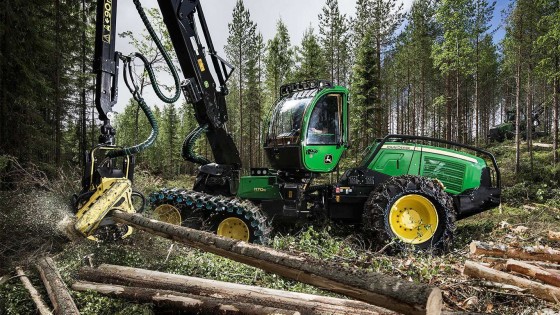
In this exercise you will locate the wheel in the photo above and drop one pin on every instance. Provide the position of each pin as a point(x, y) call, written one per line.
point(241, 221)
point(413, 211)
point(167, 213)
point(225, 216)
point(176, 206)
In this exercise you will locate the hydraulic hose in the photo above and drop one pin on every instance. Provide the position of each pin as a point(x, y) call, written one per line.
point(136, 95)
point(187, 152)
point(165, 55)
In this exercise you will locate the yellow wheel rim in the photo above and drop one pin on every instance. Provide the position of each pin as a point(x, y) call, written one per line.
point(413, 219)
point(167, 213)
point(234, 228)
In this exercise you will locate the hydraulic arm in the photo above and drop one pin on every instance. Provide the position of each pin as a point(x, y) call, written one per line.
point(109, 169)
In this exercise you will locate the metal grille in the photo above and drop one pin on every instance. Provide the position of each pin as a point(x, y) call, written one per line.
point(451, 174)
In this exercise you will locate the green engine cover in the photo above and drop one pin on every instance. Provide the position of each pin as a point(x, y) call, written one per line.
point(258, 187)
point(458, 171)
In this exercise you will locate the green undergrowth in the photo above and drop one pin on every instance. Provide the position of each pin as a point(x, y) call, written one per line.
point(531, 200)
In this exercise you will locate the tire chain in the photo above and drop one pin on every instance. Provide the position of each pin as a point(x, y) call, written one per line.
point(374, 220)
point(211, 205)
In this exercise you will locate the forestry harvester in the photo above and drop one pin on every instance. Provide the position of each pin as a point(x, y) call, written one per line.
point(407, 188)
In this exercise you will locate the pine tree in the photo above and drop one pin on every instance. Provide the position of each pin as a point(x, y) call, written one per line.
point(310, 58)
point(453, 56)
point(334, 37)
point(241, 36)
point(279, 60)
point(548, 43)
point(365, 90)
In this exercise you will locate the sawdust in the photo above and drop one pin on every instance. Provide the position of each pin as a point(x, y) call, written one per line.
point(33, 223)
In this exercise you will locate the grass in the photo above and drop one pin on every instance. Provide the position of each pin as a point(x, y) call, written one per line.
point(527, 202)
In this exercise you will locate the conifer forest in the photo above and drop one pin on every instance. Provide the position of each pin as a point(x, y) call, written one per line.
point(481, 73)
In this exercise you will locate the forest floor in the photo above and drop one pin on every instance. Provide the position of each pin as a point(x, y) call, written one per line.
point(30, 227)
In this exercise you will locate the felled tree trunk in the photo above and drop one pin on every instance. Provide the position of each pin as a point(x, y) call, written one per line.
point(35, 296)
point(534, 271)
point(554, 236)
point(526, 253)
point(57, 290)
point(378, 289)
point(307, 303)
point(542, 291)
point(180, 301)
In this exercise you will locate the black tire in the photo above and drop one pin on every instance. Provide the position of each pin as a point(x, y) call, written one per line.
point(377, 209)
point(212, 211)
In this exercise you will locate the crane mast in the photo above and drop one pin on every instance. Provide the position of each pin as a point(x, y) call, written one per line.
point(203, 85)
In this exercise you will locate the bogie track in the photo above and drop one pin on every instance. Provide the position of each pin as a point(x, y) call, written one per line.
point(226, 216)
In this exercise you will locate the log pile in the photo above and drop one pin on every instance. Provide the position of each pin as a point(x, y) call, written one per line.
point(381, 290)
point(534, 270)
point(204, 296)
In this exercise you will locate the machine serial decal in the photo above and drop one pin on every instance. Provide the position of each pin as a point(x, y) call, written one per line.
point(107, 8)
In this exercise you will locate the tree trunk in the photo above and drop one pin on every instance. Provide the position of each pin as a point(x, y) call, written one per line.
point(529, 118)
point(385, 291)
point(449, 108)
point(526, 253)
point(476, 100)
point(307, 303)
point(542, 291)
point(83, 115)
point(554, 236)
point(548, 277)
point(179, 301)
point(556, 90)
point(548, 266)
point(57, 290)
point(35, 296)
point(518, 116)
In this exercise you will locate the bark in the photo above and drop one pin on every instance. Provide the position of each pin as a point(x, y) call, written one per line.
point(555, 115)
point(548, 277)
point(309, 304)
point(554, 236)
point(500, 261)
point(35, 296)
point(378, 289)
point(57, 290)
point(542, 291)
point(180, 301)
point(526, 253)
point(518, 114)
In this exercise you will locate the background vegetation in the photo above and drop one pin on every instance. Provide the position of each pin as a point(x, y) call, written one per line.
point(434, 70)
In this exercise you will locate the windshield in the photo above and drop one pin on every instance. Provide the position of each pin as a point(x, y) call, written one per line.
point(287, 117)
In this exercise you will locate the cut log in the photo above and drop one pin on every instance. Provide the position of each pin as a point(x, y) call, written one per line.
point(56, 289)
point(526, 253)
point(498, 262)
point(306, 303)
point(554, 236)
point(35, 296)
point(375, 288)
point(180, 301)
point(542, 291)
point(534, 271)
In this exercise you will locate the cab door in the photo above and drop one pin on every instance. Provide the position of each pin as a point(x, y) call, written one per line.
point(326, 132)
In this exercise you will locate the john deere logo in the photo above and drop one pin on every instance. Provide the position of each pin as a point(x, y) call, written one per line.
point(328, 159)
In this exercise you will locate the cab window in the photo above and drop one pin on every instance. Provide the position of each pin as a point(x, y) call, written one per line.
point(325, 120)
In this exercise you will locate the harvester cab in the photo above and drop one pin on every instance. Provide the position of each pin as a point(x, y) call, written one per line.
point(308, 131)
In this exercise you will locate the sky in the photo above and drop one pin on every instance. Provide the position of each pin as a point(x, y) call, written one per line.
point(298, 15)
